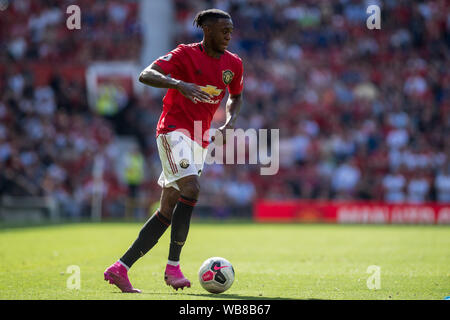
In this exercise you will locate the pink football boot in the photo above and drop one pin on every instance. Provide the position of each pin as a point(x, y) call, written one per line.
point(117, 274)
point(175, 278)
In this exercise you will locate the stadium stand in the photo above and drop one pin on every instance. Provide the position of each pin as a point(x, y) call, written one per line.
point(353, 105)
point(363, 114)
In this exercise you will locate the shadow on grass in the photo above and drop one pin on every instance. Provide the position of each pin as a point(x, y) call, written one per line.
point(224, 296)
point(235, 296)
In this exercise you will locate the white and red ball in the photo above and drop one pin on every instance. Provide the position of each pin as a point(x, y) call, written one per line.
point(216, 275)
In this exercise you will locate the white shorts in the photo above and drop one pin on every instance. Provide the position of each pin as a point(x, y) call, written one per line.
point(180, 157)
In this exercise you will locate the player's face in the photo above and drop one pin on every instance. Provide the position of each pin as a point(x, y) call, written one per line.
point(221, 32)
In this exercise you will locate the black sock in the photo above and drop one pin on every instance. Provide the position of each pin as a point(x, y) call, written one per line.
point(149, 235)
point(181, 220)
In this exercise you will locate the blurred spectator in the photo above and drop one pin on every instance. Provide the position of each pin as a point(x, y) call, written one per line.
point(442, 184)
point(134, 171)
point(394, 185)
point(240, 190)
point(418, 187)
point(344, 180)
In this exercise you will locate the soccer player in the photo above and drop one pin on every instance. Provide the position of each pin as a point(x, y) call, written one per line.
point(196, 76)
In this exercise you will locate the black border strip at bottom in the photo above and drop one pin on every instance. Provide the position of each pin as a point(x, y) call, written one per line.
point(219, 309)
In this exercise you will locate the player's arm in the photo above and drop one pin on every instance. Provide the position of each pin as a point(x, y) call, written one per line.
point(234, 102)
point(154, 76)
point(232, 109)
point(233, 106)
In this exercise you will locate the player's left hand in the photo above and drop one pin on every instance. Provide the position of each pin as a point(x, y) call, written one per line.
point(220, 136)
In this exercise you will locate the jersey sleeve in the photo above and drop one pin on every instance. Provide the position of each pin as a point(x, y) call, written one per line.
point(237, 84)
point(171, 63)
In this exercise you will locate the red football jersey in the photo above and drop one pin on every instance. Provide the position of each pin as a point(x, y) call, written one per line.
point(191, 63)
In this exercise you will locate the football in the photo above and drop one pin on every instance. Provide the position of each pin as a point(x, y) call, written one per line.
point(216, 275)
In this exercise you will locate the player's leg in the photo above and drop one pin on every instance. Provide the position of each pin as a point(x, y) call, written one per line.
point(181, 168)
point(169, 199)
point(154, 228)
point(147, 238)
point(189, 191)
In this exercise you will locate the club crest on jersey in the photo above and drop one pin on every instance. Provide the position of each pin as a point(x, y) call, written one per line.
point(227, 76)
point(184, 163)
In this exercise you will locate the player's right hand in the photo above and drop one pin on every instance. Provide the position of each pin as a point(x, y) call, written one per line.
point(193, 92)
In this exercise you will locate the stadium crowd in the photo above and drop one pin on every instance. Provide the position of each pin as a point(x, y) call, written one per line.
point(49, 136)
point(362, 114)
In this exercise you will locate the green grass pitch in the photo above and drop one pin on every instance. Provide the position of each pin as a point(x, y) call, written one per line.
point(271, 261)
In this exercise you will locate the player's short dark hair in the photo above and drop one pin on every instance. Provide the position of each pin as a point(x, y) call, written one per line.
point(211, 14)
